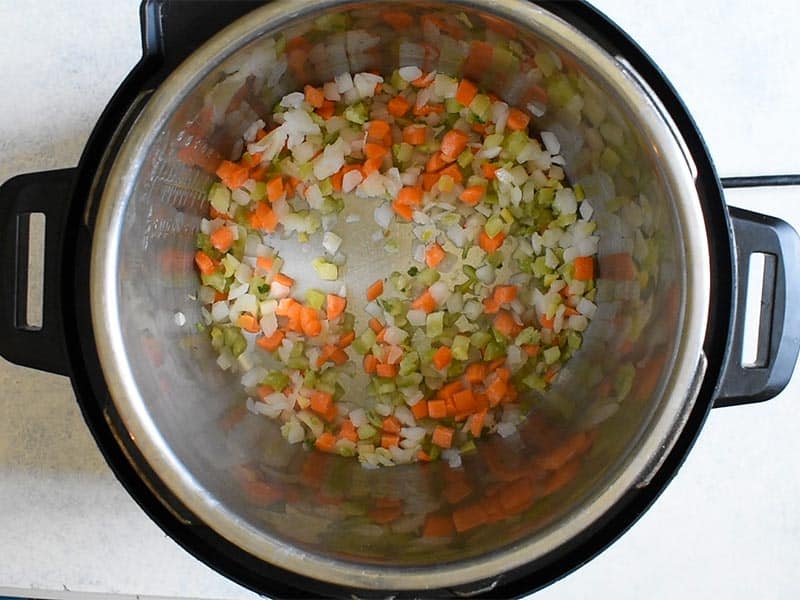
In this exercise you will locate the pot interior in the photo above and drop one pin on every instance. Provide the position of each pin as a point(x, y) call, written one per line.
point(326, 516)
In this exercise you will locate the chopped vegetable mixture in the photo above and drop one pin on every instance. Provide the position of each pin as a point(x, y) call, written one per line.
point(499, 284)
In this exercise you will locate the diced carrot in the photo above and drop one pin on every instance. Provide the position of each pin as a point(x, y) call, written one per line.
point(425, 302)
point(451, 388)
point(334, 306)
point(314, 96)
point(468, 517)
point(370, 364)
point(421, 111)
point(222, 239)
point(434, 255)
point(284, 306)
point(263, 391)
point(371, 165)
point(384, 370)
point(272, 342)
point(215, 214)
point(517, 120)
point(442, 357)
point(264, 263)
point(583, 268)
point(326, 442)
point(263, 218)
point(275, 189)
point(466, 92)
point(562, 477)
point(204, 262)
point(261, 134)
point(420, 409)
point(496, 391)
point(423, 456)
point(377, 130)
point(339, 356)
point(423, 81)
point(309, 321)
point(479, 128)
point(375, 290)
point(473, 194)
point(250, 160)
point(505, 293)
point(429, 180)
point(502, 373)
point(475, 373)
point(442, 436)
point(436, 163)
point(259, 173)
point(397, 19)
point(232, 175)
point(398, 106)
point(453, 143)
point(437, 525)
point(531, 349)
point(488, 170)
point(327, 110)
point(372, 150)
point(464, 401)
point(437, 409)
point(376, 325)
point(546, 322)
point(383, 514)
point(491, 244)
point(414, 134)
point(550, 374)
point(571, 312)
point(220, 296)
point(348, 431)
point(346, 339)
point(505, 324)
point(321, 401)
point(454, 172)
point(410, 196)
point(391, 424)
point(456, 490)
point(495, 364)
point(389, 439)
point(249, 323)
point(284, 280)
point(404, 210)
point(476, 423)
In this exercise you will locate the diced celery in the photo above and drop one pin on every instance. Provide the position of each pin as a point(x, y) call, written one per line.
point(540, 269)
point(315, 299)
point(326, 270)
point(434, 324)
point(493, 141)
point(623, 380)
point(515, 142)
point(326, 186)
point(298, 362)
point(357, 113)
point(402, 152)
point(276, 380)
point(460, 347)
point(394, 306)
point(609, 160)
point(479, 339)
point(428, 277)
point(529, 335)
point(366, 431)
point(219, 197)
point(480, 106)
point(398, 82)
point(259, 191)
point(465, 159)
point(365, 341)
point(574, 340)
point(446, 183)
point(468, 446)
point(452, 105)
point(579, 193)
point(217, 338)
point(545, 196)
point(551, 355)
point(493, 350)
point(411, 380)
point(506, 215)
point(560, 91)
point(534, 382)
point(215, 280)
point(409, 363)
point(494, 226)
point(230, 263)
point(386, 386)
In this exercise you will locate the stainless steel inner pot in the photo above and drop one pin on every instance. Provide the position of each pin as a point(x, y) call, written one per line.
point(632, 384)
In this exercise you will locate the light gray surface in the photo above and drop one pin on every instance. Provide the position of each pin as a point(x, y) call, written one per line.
point(727, 526)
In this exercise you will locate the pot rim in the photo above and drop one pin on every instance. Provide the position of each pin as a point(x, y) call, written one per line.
point(666, 424)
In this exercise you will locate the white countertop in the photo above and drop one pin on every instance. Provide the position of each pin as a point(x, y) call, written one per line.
point(727, 527)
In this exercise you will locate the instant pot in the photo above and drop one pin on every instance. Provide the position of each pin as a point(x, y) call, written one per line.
point(665, 347)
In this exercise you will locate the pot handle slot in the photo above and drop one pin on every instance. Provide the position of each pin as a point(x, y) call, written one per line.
point(778, 339)
point(24, 200)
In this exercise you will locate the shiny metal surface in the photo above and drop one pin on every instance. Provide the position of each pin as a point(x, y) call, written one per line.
point(173, 399)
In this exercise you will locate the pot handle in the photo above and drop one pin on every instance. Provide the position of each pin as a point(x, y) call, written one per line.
point(46, 193)
point(779, 323)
